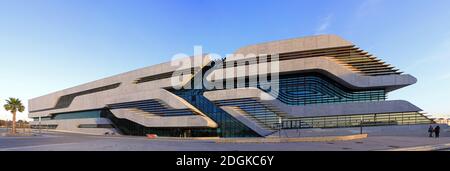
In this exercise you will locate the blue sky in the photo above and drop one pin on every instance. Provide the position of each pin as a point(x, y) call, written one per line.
point(49, 45)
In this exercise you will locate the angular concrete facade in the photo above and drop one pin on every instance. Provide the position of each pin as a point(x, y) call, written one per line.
point(321, 82)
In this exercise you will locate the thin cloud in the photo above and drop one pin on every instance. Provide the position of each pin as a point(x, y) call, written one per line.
point(324, 25)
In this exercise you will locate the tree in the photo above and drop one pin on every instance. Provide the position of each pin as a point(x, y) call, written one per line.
point(14, 105)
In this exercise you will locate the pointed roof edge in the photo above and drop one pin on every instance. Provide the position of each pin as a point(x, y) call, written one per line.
point(295, 44)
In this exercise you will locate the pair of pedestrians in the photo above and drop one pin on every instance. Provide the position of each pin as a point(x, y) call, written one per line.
point(435, 130)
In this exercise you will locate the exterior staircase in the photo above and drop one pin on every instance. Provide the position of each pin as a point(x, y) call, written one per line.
point(152, 107)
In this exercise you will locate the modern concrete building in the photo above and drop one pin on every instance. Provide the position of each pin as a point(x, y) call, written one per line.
point(322, 82)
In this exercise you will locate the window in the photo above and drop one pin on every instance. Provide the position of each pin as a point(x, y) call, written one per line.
point(77, 115)
point(95, 126)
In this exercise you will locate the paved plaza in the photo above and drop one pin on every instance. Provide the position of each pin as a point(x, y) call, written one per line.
point(51, 141)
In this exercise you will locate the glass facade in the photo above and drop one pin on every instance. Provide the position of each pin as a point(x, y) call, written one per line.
point(344, 121)
point(268, 117)
point(315, 88)
point(310, 88)
point(253, 108)
point(228, 125)
point(77, 115)
point(294, 89)
point(42, 118)
point(304, 89)
point(71, 115)
point(44, 126)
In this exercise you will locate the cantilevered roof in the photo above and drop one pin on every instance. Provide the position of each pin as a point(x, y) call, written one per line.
point(296, 44)
point(323, 46)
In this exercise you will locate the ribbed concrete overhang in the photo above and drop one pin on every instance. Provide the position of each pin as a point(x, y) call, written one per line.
point(154, 121)
point(324, 65)
point(333, 68)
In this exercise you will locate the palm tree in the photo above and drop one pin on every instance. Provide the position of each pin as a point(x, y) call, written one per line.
point(14, 105)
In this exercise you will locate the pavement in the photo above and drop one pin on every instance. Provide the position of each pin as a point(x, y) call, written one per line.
point(52, 141)
point(438, 147)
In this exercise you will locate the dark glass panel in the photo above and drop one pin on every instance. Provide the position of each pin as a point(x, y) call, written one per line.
point(77, 115)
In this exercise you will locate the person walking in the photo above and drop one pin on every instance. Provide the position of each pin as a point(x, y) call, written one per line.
point(430, 131)
point(437, 130)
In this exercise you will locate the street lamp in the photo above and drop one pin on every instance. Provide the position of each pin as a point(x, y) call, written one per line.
point(280, 122)
point(39, 125)
point(361, 125)
point(6, 125)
